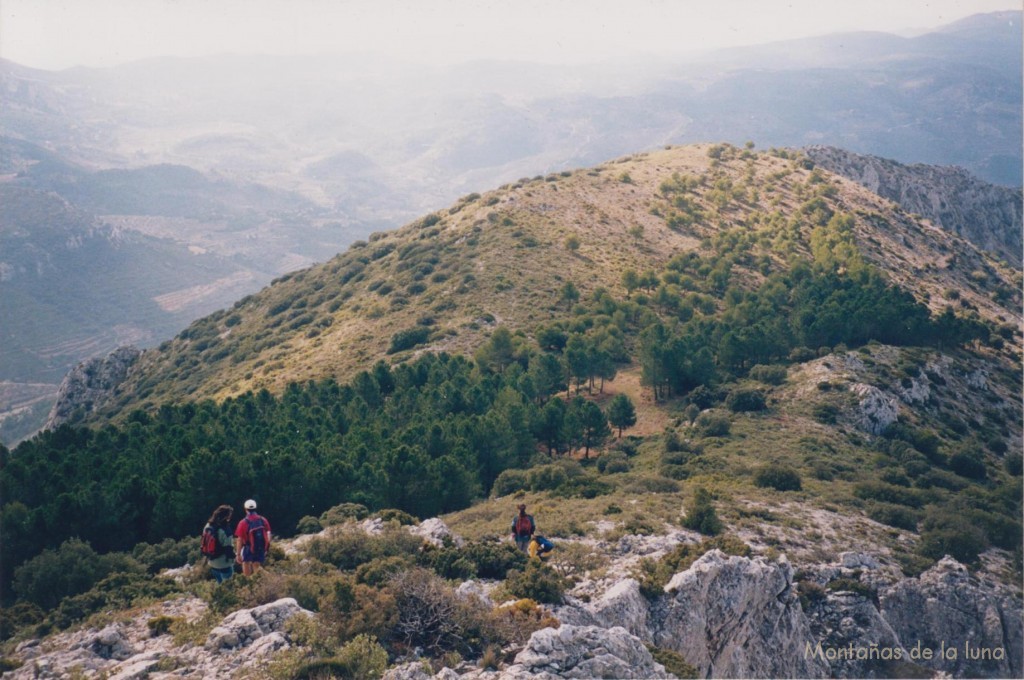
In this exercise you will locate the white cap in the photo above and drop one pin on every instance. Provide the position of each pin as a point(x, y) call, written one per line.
point(250, 504)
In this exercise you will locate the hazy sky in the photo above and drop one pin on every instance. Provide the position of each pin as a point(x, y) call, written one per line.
point(56, 34)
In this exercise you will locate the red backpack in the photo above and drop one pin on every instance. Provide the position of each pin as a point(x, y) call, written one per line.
point(210, 545)
point(524, 525)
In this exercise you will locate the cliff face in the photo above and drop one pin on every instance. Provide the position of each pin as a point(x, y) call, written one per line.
point(88, 384)
point(986, 214)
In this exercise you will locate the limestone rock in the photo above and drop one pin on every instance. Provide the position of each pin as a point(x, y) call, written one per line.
point(584, 652)
point(110, 643)
point(435, 531)
point(847, 626)
point(736, 617)
point(623, 605)
point(947, 606)
point(90, 384)
point(876, 410)
point(243, 627)
point(413, 670)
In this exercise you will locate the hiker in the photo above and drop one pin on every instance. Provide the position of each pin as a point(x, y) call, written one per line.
point(523, 527)
point(540, 547)
point(217, 544)
point(253, 544)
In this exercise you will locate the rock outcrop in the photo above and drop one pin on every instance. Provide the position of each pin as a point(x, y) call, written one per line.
point(947, 608)
point(90, 384)
point(736, 617)
point(987, 215)
point(584, 652)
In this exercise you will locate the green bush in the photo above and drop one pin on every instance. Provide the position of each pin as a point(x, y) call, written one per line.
point(546, 477)
point(309, 525)
point(745, 399)
point(349, 549)
point(409, 338)
point(380, 570)
point(17, 616)
point(120, 590)
point(778, 477)
point(339, 514)
point(713, 424)
point(361, 658)
point(951, 534)
point(674, 662)
point(1014, 464)
point(888, 493)
point(771, 375)
point(892, 515)
point(509, 482)
point(167, 554)
point(651, 485)
point(537, 582)
point(967, 464)
point(701, 515)
point(392, 515)
point(613, 462)
point(478, 559)
point(71, 569)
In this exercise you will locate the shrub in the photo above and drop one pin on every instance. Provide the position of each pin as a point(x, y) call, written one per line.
point(674, 662)
point(585, 486)
point(117, 591)
point(951, 534)
point(888, 493)
point(409, 338)
point(351, 548)
point(772, 375)
point(702, 396)
point(897, 516)
point(510, 481)
point(537, 582)
point(71, 569)
point(778, 477)
point(308, 525)
point(651, 485)
point(393, 515)
point(380, 570)
point(967, 464)
point(431, 615)
point(17, 616)
point(826, 414)
point(712, 424)
point(167, 554)
point(161, 625)
point(362, 658)
point(340, 514)
point(353, 609)
point(546, 477)
point(701, 515)
point(1014, 464)
point(742, 400)
point(613, 462)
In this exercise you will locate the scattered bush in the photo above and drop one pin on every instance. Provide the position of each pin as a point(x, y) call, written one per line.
point(825, 413)
point(1014, 464)
point(967, 464)
point(167, 554)
point(771, 375)
point(651, 485)
point(392, 515)
point(673, 662)
point(778, 477)
point(509, 482)
point(340, 514)
point(712, 424)
point(701, 515)
point(953, 535)
point(17, 616)
point(613, 462)
point(741, 400)
point(71, 569)
point(892, 515)
point(351, 548)
point(537, 582)
point(409, 338)
point(546, 477)
point(888, 493)
point(309, 525)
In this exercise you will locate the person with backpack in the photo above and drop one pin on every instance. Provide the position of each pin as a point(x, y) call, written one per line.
point(217, 545)
point(253, 544)
point(523, 527)
point(540, 547)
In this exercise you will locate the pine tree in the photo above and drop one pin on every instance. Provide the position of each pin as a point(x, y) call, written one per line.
point(621, 413)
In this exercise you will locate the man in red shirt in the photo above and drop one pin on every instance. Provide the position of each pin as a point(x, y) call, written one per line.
point(253, 544)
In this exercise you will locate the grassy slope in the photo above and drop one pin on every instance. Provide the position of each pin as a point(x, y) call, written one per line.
point(501, 259)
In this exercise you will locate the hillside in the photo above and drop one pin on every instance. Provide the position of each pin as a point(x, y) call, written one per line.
point(987, 215)
point(451, 277)
point(714, 375)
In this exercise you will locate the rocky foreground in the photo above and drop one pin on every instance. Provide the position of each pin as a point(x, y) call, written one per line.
point(728, 616)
